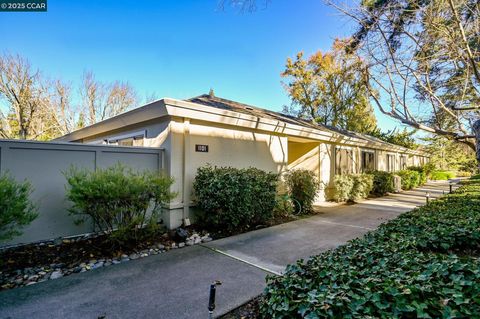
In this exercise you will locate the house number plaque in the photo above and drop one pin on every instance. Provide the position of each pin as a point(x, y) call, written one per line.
point(201, 148)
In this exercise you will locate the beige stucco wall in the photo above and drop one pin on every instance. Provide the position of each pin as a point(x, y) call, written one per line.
point(227, 146)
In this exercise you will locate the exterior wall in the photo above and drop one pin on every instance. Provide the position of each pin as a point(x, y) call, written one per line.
point(227, 146)
point(307, 156)
point(43, 164)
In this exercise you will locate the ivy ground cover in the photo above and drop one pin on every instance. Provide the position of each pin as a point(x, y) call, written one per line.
point(423, 264)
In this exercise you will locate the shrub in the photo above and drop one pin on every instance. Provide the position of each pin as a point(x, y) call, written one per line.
point(283, 206)
point(362, 186)
point(410, 179)
point(423, 171)
point(352, 187)
point(343, 185)
point(16, 210)
point(235, 199)
point(383, 183)
point(421, 265)
point(302, 186)
point(119, 201)
point(442, 175)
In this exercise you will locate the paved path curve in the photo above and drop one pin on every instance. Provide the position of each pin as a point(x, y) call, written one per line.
point(175, 284)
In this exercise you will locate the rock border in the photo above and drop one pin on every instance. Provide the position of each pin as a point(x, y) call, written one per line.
point(33, 275)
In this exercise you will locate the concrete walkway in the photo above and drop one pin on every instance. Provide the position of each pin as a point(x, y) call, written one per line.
point(175, 284)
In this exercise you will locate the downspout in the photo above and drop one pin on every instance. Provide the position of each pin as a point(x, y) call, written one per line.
point(186, 148)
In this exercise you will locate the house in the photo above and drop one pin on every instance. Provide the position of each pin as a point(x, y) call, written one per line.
point(211, 130)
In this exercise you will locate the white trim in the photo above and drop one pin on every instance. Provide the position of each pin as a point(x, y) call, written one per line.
point(115, 138)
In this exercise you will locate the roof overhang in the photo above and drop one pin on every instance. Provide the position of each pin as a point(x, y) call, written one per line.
point(144, 113)
point(196, 111)
point(185, 109)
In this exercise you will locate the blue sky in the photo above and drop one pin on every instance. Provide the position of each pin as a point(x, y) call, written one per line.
point(176, 49)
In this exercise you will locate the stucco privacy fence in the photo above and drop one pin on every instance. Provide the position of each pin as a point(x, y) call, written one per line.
point(43, 164)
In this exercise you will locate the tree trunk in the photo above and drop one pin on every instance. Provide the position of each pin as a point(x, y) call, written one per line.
point(476, 130)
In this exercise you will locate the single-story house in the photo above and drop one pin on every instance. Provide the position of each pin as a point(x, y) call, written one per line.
point(211, 130)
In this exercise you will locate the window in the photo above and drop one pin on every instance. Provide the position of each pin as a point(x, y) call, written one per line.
point(343, 161)
point(403, 162)
point(368, 161)
point(390, 163)
point(134, 139)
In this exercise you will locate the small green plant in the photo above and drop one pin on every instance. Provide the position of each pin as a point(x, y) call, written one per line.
point(119, 201)
point(302, 187)
point(232, 199)
point(383, 183)
point(16, 209)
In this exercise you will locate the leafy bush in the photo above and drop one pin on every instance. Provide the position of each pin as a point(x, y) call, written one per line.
point(283, 206)
point(235, 199)
point(383, 183)
point(343, 185)
point(118, 200)
point(16, 210)
point(362, 186)
point(421, 265)
point(352, 187)
point(423, 171)
point(410, 179)
point(442, 175)
point(302, 186)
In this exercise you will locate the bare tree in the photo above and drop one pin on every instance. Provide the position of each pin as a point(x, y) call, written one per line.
point(64, 113)
point(101, 101)
point(22, 90)
point(423, 62)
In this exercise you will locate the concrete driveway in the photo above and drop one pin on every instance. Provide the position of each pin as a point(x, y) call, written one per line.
point(175, 284)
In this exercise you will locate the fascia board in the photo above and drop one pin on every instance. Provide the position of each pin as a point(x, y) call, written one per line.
point(144, 113)
point(196, 111)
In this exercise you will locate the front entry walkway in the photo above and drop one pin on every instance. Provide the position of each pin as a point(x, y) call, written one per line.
point(175, 284)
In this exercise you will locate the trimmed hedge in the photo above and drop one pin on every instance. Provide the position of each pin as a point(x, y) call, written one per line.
point(352, 187)
point(233, 199)
point(383, 183)
point(423, 171)
point(343, 185)
point(422, 264)
point(410, 179)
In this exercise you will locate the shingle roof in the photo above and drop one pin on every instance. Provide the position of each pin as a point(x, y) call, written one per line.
point(229, 105)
